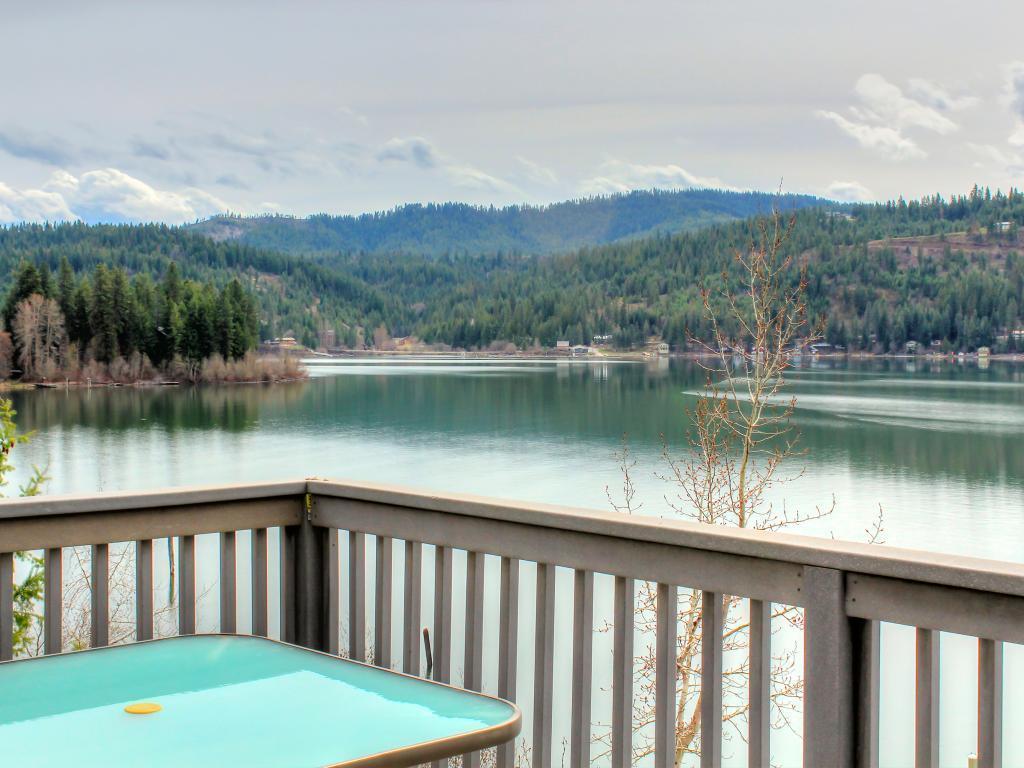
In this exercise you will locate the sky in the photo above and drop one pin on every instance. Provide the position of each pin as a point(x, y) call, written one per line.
point(173, 111)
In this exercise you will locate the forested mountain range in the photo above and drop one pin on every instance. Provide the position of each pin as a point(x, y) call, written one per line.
point(880, 275)
point(947, 270)
point(460, 229)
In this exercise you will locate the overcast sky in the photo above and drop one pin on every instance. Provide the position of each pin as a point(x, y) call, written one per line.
point(176, 110)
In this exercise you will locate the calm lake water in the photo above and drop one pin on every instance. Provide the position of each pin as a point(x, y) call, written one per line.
point(936, 445)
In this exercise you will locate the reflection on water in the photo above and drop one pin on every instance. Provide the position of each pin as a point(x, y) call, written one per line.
point(936, 444)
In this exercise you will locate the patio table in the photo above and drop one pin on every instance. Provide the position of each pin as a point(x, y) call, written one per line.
point(234, 700)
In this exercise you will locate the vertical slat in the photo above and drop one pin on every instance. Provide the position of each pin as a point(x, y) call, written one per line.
point(6, 606)
point(99, 596)
point(712, 619)
point(865, 637)
point(622, 673)
point(990, 703)
point(186, 585)
point(228, 588)
point(412, 606)
point(332, 591)
point(926, 713)
point(382, 604)
point(582, 668)
point(474, 645)
point(286, 579)
point(665, 677)
point(442, 648)
point(144, 589)
point(53, 609)
point(829, 713)
point(310, 599)
point(357, 596)
point(508, 646)
point(543, 666)
point(259, 581)
point(442, 614)
point(759, 686)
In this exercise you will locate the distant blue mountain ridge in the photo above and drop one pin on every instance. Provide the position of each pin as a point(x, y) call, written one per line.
point(437, 229)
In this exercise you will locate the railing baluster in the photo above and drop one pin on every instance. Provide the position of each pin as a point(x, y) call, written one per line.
point(865, 637)
point(622, 673)
point(228, 581)
point(442, 649)
point(829, 684)
point(759, 686)
point(712, 616)
point(186, 585)
point(357, 595)
point(6, 606)
point(53, 610)
point(144, 589)
point(474, 645)
point(442, 613)
point(926, 711)
point(990, 703)
point(382, 604)
point(543, 666)
point(665, 677)
point(99, 597)
point(289, 535)
point(332, 590)
point(258, 546)
point(508, 646)
point(582, 668)
point(412, 607)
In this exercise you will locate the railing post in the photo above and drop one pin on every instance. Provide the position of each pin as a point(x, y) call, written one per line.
point(287, 551)
point(308, 567)
point(829, 712)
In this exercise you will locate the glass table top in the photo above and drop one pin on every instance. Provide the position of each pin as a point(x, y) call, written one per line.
point(229, 700)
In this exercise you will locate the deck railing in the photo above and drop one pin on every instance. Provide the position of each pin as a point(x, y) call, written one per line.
point(325, 532)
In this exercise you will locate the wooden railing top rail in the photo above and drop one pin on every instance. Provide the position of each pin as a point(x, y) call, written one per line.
point(871, 559)
point(792, 549)
point(126, 501)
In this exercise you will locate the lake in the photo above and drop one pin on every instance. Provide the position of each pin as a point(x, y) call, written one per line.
point(935, 444)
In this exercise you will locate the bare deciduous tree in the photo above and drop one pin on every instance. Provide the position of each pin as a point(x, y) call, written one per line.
point(40, 336)
point(739, 439)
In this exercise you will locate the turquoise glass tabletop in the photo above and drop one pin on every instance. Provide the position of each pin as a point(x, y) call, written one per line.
point(233, 700)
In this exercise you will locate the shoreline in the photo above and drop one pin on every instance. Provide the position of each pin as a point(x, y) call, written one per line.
point(635, 355)
point(20, 386)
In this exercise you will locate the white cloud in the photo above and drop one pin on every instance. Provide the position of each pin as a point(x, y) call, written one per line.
point(616, 177)
point(887, 103)
point(1013, 97)
point(536, 173)
point(938, 97)
point(1007, 162)
point(849, 191)
point(473, 178)
point(414, 149)
point(882, 139)
point(106, 194)
point(1014, 88)
point(418, 151)
point(35, 205)
point(885, 112)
